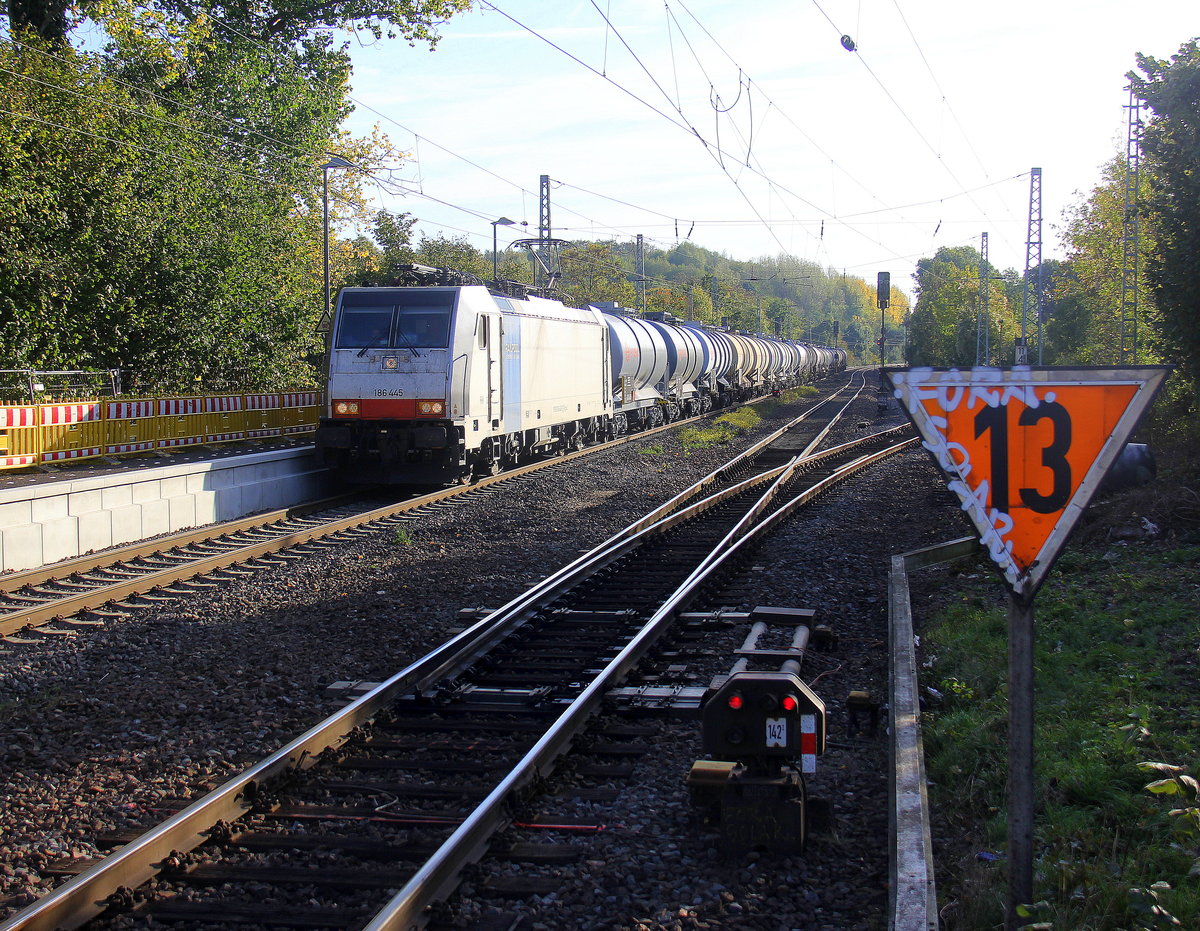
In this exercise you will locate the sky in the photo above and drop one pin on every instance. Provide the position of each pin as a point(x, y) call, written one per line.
point(750, 129)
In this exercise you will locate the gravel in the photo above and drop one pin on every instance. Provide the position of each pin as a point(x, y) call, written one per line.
point(97, 728)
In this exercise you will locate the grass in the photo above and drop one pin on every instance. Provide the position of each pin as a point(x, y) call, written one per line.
point(739, 421)
point(403, 536)
point(1118, 632)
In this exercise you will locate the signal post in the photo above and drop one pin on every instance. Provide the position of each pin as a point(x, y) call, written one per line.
point(1024, 449)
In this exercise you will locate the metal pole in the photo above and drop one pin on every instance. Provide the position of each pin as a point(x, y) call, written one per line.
point(495, 258)
point(325, 237)
point(335, 162)
point(1020, 758)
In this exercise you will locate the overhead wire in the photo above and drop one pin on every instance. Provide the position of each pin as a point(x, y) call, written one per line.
point(809, 139)
point(745, 86)
point(903, 112)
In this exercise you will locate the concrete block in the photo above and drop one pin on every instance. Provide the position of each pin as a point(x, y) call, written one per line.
point(245, 475)
point(205, 507)
point(126, 524)
point(117, 496)
point(252, 499)
point(146, 491)
point(198, 481)
point(182, 510)
point(156, 518)
point(173, 486)
point(85, 502)
point(48, 508)
point(60, 539)
point(23, 547)
point(220, 478)
point(16, 514)
point(229, 504)
point(95, 531)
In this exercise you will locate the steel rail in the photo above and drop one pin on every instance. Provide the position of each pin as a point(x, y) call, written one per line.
point(724, 470)
point(61, 570)
point(48, 608)
point(438, 876)
point(86, 895)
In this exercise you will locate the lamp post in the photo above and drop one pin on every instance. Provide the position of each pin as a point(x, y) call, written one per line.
point(335, 162)
point(503, 221)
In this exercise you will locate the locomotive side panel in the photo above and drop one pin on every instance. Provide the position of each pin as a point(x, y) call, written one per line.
point(563, 356)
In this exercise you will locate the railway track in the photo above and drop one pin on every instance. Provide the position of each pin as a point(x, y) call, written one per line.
point(397, 773)
point(66, 597)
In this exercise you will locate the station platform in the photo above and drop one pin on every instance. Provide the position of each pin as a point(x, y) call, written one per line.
point(60, 512)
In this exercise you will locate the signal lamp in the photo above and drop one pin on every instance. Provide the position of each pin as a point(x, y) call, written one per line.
point(790, 703)
point(735, 701)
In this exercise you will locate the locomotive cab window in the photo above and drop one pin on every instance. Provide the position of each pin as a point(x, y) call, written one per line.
point(394, 319)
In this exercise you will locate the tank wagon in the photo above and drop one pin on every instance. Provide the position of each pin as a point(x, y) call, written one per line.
point(436, 383)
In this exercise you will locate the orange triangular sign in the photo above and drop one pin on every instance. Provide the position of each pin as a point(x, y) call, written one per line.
point(1025, 448)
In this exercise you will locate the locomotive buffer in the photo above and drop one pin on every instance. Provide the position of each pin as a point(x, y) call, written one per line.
point(763, 732)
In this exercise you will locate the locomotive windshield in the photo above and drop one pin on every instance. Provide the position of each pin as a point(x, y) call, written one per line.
point(387, 318)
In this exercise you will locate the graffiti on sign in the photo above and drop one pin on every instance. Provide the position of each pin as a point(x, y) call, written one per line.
point(1025, 448)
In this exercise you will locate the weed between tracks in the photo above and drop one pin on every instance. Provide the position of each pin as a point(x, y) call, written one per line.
point(1118, 631)
point(737, 422)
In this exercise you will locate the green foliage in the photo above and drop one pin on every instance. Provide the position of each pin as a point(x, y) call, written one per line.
point(592, 272)
point(944, 323)
point(1115, 644)
point(284, 22)
point(1084, 295)
point(655, 450)
point(160, 202)
point(455, 252)
point(1171, 145)
point(742, 420)
point(404, 536)
point(140, 236)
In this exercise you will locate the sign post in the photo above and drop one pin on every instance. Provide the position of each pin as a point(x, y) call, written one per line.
point(1024, 449)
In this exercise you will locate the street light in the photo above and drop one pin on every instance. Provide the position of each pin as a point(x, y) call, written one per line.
point(335, 162)
point(503, 221)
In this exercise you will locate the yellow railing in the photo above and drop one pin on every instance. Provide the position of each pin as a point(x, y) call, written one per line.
point(32, 434)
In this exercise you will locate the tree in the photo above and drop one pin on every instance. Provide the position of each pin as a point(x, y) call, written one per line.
point(943, 316)
point(282, 23)
point(1171, 146)
point(163, 240)
point(455, 253)
point(593, 271)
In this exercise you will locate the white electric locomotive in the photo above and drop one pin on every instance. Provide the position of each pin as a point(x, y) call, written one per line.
point(433, 384)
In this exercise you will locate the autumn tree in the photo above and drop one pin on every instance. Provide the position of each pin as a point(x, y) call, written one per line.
point(593, 271)
point(944, 325)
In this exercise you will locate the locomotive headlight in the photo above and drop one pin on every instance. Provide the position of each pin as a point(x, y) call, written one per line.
point(431, 408)
point(345, 407)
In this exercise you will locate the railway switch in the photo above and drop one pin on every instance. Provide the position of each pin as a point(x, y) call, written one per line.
point(764, 731)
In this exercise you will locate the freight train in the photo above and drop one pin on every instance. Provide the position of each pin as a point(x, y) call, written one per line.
point(440, 381)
